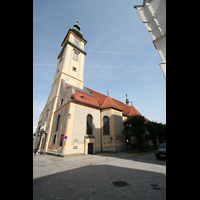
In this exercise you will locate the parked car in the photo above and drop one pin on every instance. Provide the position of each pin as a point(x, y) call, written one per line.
point(161, 151)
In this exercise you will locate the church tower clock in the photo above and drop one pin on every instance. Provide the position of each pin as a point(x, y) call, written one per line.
point(72, 57)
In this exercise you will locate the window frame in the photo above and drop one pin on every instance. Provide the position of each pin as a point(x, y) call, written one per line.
point(54, 139)
point(74, 69)
point(106, 125)
point(75, 55)
point(58, 120)
point(89, 124)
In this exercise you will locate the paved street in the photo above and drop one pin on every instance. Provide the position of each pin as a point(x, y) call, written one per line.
point(87, 177)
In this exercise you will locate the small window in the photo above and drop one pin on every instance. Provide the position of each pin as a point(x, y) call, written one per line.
point(74, 69)
point(61, 102)
point(54, 139)
point(60, 58)
point(75, 57)
point(82, 97)
point(58, 71)
point(91, 93)
point(58, 119)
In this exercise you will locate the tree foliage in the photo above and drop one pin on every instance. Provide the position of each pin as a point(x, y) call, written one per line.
point(135, 126)
point(140, 128)
point(157, 132)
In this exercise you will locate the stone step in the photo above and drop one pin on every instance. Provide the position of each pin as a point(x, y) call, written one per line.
point(53, 152)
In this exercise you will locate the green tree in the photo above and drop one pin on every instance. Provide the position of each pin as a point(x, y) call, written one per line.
point(161, 132)
point(152, 135)
point(135, 126)
point(157, 132)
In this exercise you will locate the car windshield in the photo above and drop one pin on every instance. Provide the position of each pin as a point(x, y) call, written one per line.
point(162, 146)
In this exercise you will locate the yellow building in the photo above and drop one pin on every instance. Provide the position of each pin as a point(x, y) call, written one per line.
point(76, 119)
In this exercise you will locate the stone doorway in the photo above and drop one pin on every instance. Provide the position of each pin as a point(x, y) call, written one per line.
point(90, 148)
point(89, 141)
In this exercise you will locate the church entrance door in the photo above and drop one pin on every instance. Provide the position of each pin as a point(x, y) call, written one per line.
point(90, 148)
point(89, 141)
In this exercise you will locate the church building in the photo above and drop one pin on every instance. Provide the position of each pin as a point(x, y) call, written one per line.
point(77, 119)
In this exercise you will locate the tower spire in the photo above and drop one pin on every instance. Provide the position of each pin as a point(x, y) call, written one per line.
point(127, 101)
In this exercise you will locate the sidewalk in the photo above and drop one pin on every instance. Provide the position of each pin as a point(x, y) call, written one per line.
point(49, 164)
point(87, 177)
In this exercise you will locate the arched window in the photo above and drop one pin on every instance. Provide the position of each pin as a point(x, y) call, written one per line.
point(106, 126)
point(89, 125)
point(61, 141)
point(45, 138)
point(47, 114)
point(54, 139)
point(39, 130)
point(61, 102)
point(58, 119)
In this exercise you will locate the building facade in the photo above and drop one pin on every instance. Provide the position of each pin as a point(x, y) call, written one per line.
point(77, 119)
point(153, 15)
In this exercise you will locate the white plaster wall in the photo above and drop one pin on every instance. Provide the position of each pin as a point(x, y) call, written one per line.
point(153, 14)
point(80, 123)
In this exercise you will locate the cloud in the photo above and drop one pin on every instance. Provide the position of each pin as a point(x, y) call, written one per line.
point(122, 67)
point(43, 73)
point(40, 18)
point(146, 54)
point(96, 44)
point(44, 64)
point(38, 106)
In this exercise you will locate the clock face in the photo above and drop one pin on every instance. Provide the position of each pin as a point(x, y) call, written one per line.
point(77, 42)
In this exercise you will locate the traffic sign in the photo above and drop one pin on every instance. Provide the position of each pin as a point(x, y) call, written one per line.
point(62, 138)
point(117, 138)
point(65, 137)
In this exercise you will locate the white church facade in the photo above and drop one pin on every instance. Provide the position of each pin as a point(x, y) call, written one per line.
point(77, 119)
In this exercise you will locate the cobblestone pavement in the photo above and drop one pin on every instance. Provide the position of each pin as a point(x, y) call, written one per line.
point(87, 177)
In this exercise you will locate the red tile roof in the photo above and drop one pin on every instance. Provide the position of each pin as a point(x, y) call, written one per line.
point(85, 98)
point(108, 102)
point(97, 95)
point(131, 111)
point(102, 101)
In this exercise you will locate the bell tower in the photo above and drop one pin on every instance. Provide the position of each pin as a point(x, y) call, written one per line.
point(71, 59)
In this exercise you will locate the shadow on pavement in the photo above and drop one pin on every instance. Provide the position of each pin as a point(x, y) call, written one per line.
point(146, 157)
point(96, 182)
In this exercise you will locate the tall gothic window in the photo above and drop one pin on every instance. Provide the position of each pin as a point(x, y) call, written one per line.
point(57, 122)
point(106, 126)
point(54, 139)
point(39, 130)
point(89, 125)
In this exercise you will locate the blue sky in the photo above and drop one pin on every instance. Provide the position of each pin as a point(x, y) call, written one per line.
point(121, 57)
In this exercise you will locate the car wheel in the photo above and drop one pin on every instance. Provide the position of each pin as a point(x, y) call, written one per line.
point(158, 157)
